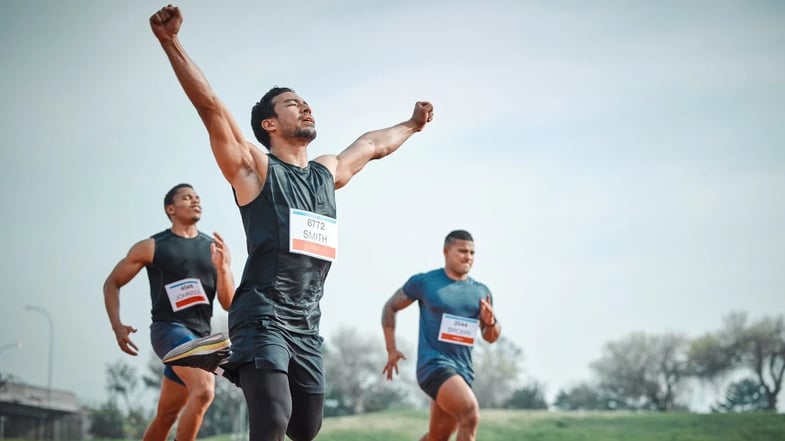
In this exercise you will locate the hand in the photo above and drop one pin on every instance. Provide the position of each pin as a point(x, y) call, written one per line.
point(486, 312)
point(423, 114)
point(219, 252)
point(166, 22)
point(392, 363)
point(122, 334)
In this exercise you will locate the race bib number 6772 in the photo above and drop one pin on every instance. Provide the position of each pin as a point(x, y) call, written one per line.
point(313, 234)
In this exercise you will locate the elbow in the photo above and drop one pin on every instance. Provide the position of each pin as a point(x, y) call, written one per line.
point(110, 285)
point(374, 148)
point(388, 316)
point(206, 104)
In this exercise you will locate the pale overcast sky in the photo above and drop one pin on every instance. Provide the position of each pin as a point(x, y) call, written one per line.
point(621, 165)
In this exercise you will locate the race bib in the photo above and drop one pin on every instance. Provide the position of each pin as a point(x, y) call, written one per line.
point(458, 330)
point(186, 293)
point(313, 234)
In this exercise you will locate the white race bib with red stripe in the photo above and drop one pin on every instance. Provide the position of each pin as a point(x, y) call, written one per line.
point(458, 330)
point(186, 293)
point(313, 234)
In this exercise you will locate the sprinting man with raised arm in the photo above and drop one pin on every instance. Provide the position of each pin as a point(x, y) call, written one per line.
point(287, 203)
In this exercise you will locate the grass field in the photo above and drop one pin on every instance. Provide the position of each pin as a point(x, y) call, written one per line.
point(510, 425)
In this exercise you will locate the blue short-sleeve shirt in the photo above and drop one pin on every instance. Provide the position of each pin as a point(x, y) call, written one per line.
point(437, 294)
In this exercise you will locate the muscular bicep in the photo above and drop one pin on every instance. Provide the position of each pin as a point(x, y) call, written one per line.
point(350, 161)
point(128, 267)
point(231, 150)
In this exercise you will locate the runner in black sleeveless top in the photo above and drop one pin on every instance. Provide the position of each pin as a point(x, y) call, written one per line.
point(185, 268)
point(287, 204)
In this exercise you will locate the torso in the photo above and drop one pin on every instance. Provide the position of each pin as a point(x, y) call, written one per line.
point(175, 296)
point(280, 284)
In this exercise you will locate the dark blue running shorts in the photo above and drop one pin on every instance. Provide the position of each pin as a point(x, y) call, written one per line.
point(167, 335)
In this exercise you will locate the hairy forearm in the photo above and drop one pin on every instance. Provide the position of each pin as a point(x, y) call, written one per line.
point(191, 78)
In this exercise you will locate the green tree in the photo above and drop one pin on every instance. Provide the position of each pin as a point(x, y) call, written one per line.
point(645, 372)
point(757, 347)
point(746, 395)
point(585, 397)
point(121, 415)
point(353, 365)
point(530, 396)
point(107, 421)
point(497, 367)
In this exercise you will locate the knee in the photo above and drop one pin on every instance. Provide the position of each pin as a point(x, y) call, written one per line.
point(304, 431)
point(201, 396)
point(470, 418)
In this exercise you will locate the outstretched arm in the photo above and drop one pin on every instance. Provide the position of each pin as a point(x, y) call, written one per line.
point(222, 260)
point(398, 301)
point(375, 145)
point(138, 256)
point(230, 148)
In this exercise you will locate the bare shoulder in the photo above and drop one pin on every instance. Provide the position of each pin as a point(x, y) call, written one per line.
point(142, 251)
point(329, 161)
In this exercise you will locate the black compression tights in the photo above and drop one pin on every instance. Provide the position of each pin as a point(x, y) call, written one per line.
point(274, 409)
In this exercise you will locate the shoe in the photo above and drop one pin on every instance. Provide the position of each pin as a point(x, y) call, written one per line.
point(205, 353)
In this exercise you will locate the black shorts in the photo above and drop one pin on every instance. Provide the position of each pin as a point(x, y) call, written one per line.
point(432, 384)
point(270, 347)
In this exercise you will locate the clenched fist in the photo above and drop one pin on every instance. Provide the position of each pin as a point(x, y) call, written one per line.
point(423, 114)
point(166, 22)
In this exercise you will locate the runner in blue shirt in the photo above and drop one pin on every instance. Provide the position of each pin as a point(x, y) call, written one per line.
point(453, 307)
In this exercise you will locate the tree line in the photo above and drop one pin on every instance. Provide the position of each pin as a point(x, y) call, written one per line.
point(639, 372)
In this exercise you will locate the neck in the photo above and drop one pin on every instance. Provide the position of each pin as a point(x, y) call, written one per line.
point(294, 152)
point(455, 276)
point(182, 230)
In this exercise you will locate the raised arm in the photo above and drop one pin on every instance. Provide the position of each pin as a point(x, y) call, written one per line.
point(222, 260)
point(375, 145)
point(232, 151)
point(398, 301)
point(138, 256)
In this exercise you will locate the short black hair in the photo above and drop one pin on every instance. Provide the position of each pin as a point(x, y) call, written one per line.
point(264, 109)
point(169, 197)
point(457, 235)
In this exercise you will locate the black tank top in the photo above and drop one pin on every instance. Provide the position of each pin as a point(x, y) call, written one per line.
point(175, 260)
point(278, 285)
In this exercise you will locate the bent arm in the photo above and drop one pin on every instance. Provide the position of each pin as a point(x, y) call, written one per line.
point(138, 256)
point(225, 287)
point(398, 301)
point(222, 260)
point(491, 333)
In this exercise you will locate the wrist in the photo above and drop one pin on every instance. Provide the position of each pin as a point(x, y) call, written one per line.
point(167, 40)
point(224, 269)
